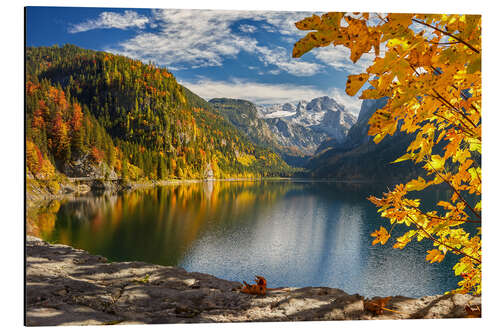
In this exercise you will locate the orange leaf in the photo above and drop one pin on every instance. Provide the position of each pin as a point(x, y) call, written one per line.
point(434, 256)
point(381, 236)
point(355, 82)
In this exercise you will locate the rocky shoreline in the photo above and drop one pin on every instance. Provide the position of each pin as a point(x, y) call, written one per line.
point(98, 186)
point(67, 286)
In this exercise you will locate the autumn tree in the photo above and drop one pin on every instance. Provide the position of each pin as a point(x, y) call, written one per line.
point(60, 138)
point(429, 68)
point(76, 128)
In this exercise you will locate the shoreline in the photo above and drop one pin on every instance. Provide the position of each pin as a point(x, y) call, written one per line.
point(68, 286)
point(72, 190)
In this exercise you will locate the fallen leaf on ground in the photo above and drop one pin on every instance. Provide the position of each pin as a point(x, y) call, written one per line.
point(255, 289)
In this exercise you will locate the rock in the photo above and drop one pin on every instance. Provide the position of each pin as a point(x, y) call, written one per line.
point(83, 188)
point(62, 292)
point(209, 172)
point(66, 286)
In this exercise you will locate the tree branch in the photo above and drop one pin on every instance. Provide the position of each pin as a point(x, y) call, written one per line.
point(461, 129)
point(447, 34)
point(443, 100)
point(442, 43)
point(453, 107)
point(455, 190)
point(464, 128)
point(444, 218)
point(460, 90)
point(419, 227)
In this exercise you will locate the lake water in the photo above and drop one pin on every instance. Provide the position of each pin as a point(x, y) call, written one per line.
point(294, 233)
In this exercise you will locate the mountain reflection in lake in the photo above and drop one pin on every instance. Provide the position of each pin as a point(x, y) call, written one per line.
point(295, 233)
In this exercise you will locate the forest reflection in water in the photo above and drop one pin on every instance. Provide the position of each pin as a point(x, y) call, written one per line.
point(293, 232)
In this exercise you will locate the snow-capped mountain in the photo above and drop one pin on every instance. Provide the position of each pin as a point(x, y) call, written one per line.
point(294, 130)
point(276, 110)
point(322, 115)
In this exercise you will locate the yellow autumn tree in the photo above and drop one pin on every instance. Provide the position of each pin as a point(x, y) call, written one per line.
point(429, 68)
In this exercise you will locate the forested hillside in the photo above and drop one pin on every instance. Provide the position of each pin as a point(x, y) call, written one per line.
point(130, 119)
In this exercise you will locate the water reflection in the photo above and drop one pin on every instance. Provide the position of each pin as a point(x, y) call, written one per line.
point(294, 233)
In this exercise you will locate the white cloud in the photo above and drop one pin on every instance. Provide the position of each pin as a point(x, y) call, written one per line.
point(429, 33)
point(203, 38)
point(248, 28)
point(282, 58)
point(108, 20)
point(269, 28)
point(284, 22)
point(338, 58)
point(200, 38)
point(260, 93)
point(265, 93)
point(351, 104)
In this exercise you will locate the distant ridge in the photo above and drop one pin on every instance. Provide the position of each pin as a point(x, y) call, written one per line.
point(295, 130)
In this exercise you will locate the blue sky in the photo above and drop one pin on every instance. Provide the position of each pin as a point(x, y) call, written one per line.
point(215, 53)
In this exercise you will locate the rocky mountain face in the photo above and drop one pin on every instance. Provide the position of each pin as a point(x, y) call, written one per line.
point(358, 132)
point(244, 116)
point(296, 136)
point(323, 115)
point(294, 130)
point(358, 157)
point(306, 124)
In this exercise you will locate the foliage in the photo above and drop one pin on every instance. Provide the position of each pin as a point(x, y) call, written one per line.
point(122, 112)
point(430, 69)
point(259, 288)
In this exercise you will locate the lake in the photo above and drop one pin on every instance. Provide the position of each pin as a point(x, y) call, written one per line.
point(293, 232)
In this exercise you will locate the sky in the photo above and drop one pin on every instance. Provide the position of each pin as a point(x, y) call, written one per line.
point(214, 53)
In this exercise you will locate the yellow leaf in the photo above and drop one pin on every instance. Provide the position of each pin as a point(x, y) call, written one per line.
point(311, 40)
point(377, 138)
point(459, 268)
point(400, 19)
point(332, 20)
point(475, 146)
point(405, 157)
point(309, 23)
point(474, 65)
point(304, 45)
point(437, 162)
point(416, 184)
point(355, 82)
point(434, 256)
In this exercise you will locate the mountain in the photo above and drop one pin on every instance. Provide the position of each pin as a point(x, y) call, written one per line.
point(358, 132)
point(245, 116)
point(307, 124)
point(322, 115)
point(358, 157)
point(293, 130)
point(97, 114)
point(296, 136)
